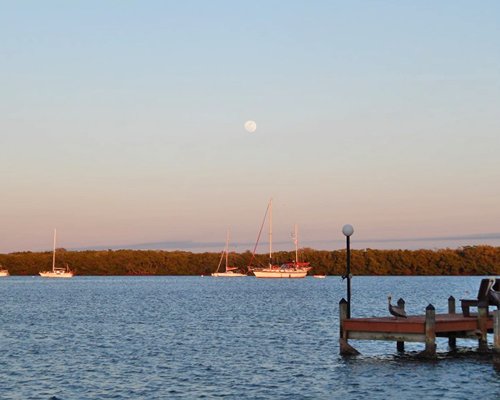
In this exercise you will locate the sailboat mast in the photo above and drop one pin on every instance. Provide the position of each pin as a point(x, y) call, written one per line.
point(227, 248)
point(54, 252)
point(270, 233)
point(296, 240)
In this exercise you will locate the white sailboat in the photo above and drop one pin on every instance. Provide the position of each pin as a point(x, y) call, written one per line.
point(294, 269)
point(231, 272)
point(57, 272)
point(3, 271)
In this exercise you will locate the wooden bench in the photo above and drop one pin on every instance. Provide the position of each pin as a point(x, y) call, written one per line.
point(482, 297)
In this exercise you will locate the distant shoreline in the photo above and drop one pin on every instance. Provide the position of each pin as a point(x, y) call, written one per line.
point(467, 260)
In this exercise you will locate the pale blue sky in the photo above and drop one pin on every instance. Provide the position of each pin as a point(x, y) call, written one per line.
point(122, 122)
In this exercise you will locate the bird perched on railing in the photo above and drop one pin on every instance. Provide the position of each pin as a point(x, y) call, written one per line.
point(396, 310)
point(493, 295)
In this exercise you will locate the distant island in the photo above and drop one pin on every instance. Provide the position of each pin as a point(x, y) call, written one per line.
point(467, 260)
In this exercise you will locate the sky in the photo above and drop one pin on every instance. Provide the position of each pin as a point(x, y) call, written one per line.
point(122, 123)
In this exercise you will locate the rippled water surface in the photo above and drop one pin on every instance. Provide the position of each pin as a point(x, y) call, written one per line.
point(204, 337)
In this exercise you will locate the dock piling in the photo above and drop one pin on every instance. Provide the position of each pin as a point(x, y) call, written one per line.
point(452, 339)
point(430, 332)
point(496, 331)
point(344, 347)
point(342, 315)
point(482, 319)
point(400, 345)
point(496, 340)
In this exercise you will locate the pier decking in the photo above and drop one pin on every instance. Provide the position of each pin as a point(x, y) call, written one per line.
point(412, 329)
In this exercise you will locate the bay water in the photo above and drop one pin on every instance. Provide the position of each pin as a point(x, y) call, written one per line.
point(203, 337)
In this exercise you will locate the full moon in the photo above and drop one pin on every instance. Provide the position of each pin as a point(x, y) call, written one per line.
point(250, 126)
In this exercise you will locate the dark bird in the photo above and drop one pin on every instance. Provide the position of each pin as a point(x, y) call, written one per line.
point(396, 310)
point(493, 295)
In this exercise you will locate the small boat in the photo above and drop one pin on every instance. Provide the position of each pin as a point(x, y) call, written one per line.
point(319, 276)
point(4, 272)
point(294, 269)
point(230, 272)
point(57, 272)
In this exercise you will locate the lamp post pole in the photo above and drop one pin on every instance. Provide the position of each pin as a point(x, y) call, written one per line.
point(348, 265)
point(348, 230)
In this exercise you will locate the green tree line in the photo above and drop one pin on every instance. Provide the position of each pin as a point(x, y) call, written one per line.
point(468, 260)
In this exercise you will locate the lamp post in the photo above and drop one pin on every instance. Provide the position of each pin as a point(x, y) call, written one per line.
point(348, 230)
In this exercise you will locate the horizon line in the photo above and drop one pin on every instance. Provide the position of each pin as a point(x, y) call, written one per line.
point(187, 245)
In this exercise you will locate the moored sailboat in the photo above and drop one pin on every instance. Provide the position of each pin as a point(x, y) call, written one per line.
point(57, 272)
point(3, 271)
point(231, 272)
point(294, 269)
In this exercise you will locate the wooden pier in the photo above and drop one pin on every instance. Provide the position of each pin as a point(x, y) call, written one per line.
point(421, 328)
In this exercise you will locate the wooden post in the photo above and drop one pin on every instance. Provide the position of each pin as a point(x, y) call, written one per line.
point(430, 332)
point(452, 340)
point(496, 340)
point(400, 346)
point(345, 348)
point(342, 315)
point(496, 331)
point(451, 305)
point(482, 320)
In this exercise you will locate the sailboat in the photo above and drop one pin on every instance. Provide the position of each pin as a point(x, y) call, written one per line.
point(3, 271)
point(230, 271)
point(57, 272)
point(294, 269)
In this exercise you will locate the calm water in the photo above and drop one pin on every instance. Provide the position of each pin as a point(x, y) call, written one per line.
point(203, 337)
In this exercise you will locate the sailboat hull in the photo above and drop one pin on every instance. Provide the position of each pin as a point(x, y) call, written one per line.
point(56, 274)
point(4, 273)
point(279, 274)
point(228, 274)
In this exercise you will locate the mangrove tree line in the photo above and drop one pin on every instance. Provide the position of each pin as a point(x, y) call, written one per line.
point(468, 260)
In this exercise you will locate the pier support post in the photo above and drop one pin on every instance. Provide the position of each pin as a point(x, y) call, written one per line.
point(496, 340)
point(342, 315)
point(452, 340)
point(400, 346)
point(345, 348)
point(482, 321)
point(430, 332)
point(496, 331)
